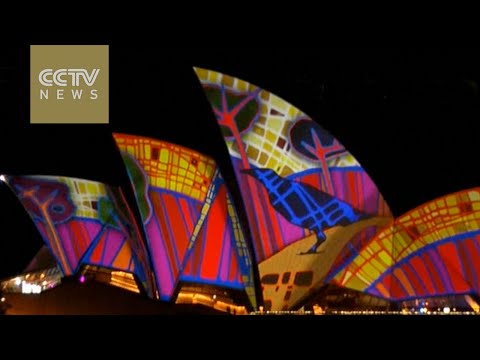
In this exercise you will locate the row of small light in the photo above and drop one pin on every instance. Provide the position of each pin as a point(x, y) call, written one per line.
point(422, 311)
point(283, 312)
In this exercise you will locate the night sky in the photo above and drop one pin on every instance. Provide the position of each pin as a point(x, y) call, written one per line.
point(411, 117)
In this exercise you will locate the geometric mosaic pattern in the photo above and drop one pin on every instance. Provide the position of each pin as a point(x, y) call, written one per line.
point(182, 200)
point(432, 250)
point(264, 133)
point(169, 166)
point(83, 222)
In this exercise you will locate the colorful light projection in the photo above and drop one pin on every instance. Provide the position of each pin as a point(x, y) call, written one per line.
point(311, 207)
point(83, 222)
point(433, 250)
point(191, 226)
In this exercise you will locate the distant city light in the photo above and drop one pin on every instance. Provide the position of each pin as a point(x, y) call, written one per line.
point(31, 288)
point(446, 310)
point(2, 299)
point(82, 279)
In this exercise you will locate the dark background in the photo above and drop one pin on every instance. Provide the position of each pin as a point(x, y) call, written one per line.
point(409, 116)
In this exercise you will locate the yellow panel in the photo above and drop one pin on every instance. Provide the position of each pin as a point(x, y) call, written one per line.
point(387, 243)
point(209, 171)
point(375, 247)
point(474, 195)
point(264, 109)
point(202, 73)
point(451, 200)
point(201, 167)
point(242, 85)
point(359, 261)
point(371, 271)
point(271, 137)
point(92, 189)
point(264, 157)
point(454, 211)
point(443, 233)
point(272, 163)
point(183, 163)
point(451, 231)
point(414, 247)
point(378, 265)
point(404, 218)
point(386, 258)
point(147, 150)
point(429, 239)
point(213, 76)
point(164, 156)
point(277, 102)
point(275, 124)
point(175, 159)
point(422, 228)
point(195, 194)
point(292, 112)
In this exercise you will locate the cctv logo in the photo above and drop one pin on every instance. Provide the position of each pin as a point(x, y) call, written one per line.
point(73, 73)
point(69, 84)
point(66, 77)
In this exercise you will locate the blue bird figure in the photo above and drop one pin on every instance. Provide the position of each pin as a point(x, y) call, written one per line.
point(305, 206)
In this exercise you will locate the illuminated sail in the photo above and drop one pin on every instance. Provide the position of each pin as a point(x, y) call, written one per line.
point(184, 207)
point(83, 222)
point(310, 205)
point(433, 250)
point(219, 255)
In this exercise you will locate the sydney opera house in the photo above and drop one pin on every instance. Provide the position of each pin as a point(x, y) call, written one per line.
point(316, 235)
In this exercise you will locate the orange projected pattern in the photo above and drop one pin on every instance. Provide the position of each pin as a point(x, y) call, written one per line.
point(169, 166)
point(182, 200)
point(431, 250)
point(83, 222)
point(291, 173)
